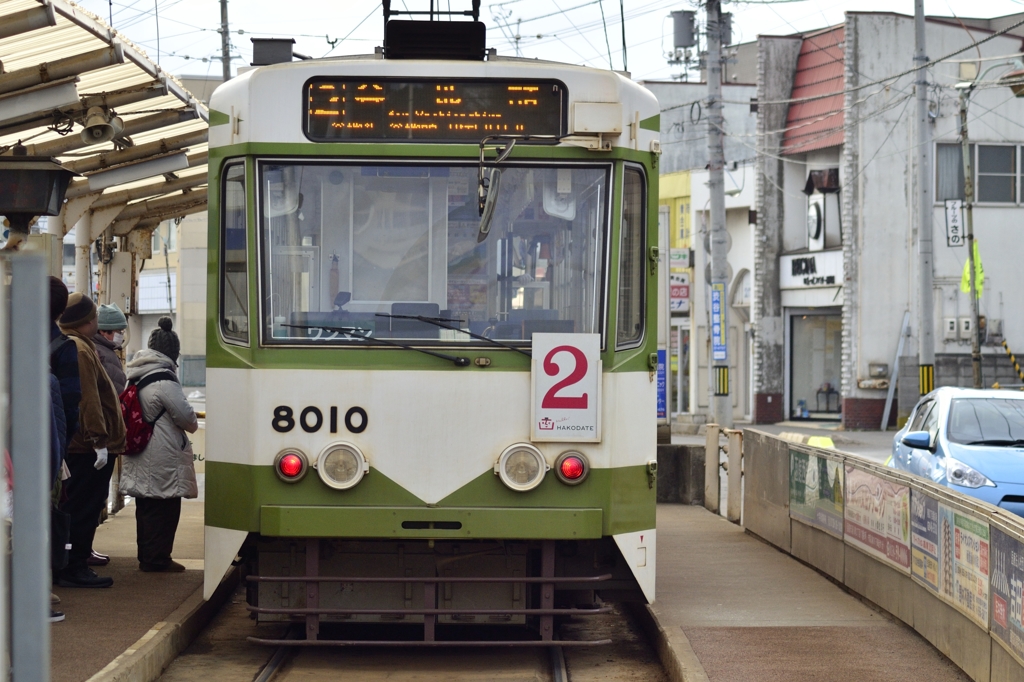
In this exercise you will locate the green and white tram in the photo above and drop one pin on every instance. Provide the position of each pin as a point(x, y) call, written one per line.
point(432, 351)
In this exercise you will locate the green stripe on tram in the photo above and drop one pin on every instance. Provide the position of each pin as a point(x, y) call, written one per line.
point(219, 118)
point(238, 496)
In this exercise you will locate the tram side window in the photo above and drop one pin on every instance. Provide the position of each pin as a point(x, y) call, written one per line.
point(630, 325)
point(234, 284)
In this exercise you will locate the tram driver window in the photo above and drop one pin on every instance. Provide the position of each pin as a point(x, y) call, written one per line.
point(357, 252)
point(632, 271)
point(234, 282)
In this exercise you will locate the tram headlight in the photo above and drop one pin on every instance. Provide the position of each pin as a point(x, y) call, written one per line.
point(521, 467)
point(291, 465)
point(572, 467)
point(341, 466)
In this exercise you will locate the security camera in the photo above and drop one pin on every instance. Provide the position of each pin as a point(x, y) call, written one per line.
point(98, 128)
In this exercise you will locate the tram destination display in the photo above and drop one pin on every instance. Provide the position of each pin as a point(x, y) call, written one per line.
point(431, 110)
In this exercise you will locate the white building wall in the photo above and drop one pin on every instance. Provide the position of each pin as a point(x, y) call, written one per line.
point(741, 183)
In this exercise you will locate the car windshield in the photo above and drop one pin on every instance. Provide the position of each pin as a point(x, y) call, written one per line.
point(370, 248)
point(992, 421)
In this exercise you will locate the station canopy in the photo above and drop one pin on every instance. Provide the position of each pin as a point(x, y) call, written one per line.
point(73, 88)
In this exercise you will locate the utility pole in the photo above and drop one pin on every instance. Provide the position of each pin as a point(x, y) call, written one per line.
point(965, 147)
point(225, 42)
point(720, 400)
point(926, 352)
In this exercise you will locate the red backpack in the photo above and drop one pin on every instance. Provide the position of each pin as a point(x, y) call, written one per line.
point(138, 430)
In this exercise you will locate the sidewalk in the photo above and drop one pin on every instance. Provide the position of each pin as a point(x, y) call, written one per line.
point(102, 623)
point(748, 612)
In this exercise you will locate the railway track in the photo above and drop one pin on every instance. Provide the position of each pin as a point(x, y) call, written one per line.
point(221, 652)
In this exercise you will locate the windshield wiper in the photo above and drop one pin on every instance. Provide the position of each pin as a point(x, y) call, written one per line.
point(440, 322)
point(365, 336)
point(1005, 442)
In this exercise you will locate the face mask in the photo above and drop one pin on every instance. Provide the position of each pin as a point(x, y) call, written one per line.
point(118, 338)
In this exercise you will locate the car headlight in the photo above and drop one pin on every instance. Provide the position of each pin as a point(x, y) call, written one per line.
point(521, 467)
point(341, 466)
point(959, 473)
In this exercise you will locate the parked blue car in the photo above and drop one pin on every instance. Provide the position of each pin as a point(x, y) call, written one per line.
point(969, 440)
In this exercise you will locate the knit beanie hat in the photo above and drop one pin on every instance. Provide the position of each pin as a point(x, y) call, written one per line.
point(58, 297)
point(111, 318)
point(80, 310)
point(165, 341)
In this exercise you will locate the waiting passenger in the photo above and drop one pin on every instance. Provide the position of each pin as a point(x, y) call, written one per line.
point(163, 472)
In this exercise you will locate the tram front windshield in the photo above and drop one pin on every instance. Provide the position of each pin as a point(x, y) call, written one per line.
point(351, 253)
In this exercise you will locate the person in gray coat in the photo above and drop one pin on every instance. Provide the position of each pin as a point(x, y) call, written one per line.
point(163, 473)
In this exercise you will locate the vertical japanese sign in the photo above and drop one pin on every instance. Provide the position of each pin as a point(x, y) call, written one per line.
point(679, 292)
point(924, 554)
point(566, 380)
point(719, 322)
point(662, 384)
point(964, 563)
point(816, 491)
point(1008, 591)
point(877, 516)
point(954, 222)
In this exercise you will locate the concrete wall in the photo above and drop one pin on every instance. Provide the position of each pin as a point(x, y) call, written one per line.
point(766, 513)
point(776, 67)
point(681, 474)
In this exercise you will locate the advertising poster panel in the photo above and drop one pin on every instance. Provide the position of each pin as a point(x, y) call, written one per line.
point(964, 563)
point(877, 515)
point(924, 553)
point(816, 491)
point(1008, 591)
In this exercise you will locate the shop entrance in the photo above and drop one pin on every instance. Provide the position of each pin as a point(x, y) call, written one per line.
point(815, 364)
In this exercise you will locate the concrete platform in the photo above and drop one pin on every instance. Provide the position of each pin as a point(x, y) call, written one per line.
point(102, 623)
point(735, 609)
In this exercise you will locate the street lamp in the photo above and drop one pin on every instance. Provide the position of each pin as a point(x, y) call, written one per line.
point(1015, 81)
point(30, 186)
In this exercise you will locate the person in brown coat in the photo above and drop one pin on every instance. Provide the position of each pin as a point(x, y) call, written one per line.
point(92, 450)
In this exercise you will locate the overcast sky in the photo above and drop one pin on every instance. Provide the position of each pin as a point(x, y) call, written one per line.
point(562, 30)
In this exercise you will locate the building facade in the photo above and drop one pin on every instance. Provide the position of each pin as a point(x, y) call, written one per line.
point(836, 244)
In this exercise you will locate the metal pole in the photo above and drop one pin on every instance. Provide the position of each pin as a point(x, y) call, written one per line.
point(225, 43)
point(622, 17)
point(30, 457)
point(712, 480)
point(83, 264)
point(722, 401)
point(926, 352)
point(734, 480)
point(965, 149)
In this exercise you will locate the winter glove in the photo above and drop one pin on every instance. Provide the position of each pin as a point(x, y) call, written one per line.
point(101, 458)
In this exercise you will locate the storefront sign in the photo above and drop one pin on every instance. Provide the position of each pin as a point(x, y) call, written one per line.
point(811, 270)
point(719, 351)
point(680, 259)
point(877, 517)
point(1008, 592)
point(816, 491)
point(924, 524)
point(679, 292)
point(566, 380)
point(954, 222)
point(964, 562)
point(662, 385)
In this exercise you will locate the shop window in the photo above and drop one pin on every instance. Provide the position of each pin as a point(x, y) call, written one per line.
point(630, 325)
point(234, 277)
point(997, 169)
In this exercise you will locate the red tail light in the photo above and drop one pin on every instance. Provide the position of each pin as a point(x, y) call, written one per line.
point(572, 467)
point(290, 465)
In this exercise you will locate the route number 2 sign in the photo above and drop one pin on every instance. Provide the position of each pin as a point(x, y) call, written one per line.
point(566, 380)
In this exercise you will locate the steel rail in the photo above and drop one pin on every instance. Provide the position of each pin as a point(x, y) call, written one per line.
point(429, 612)
point(414, 579)
point(421, 643)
